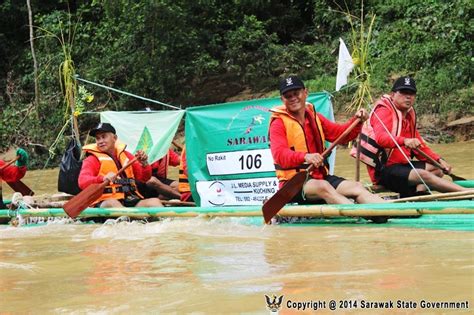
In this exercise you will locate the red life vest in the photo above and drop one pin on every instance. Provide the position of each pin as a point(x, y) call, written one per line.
point(371, 154)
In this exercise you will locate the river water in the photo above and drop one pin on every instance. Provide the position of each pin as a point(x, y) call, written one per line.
point(229, 265)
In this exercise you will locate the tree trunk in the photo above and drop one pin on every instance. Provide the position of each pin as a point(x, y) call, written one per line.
point(35, 63)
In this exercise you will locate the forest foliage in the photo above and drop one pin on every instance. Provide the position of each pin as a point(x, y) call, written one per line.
point(192, 52)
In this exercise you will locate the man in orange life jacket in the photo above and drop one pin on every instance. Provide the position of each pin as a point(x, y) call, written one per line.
point(104, 159)
point(297, 136)
point(13, 173)
point(394, 113)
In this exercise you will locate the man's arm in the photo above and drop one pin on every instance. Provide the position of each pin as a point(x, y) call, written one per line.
point(423, 147)
point(90, 172)
point(140, 172)
point(174, 158)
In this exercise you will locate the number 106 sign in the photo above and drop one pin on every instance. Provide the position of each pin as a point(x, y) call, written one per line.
point(239, 162)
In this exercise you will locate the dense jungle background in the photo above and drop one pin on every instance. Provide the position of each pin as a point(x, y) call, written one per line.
point(193, 52)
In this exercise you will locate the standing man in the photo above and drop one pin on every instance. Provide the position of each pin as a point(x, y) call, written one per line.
point(13, 173)
point(392, 125)
point(104, 159)
point(297, 136)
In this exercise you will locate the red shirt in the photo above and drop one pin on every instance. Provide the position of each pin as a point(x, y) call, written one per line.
point(287, 158)
point(91, 166)
point(385, 140)
point(11, 173)
point(160, 167)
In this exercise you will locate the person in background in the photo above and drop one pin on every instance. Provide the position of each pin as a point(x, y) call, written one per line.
point(104, 159)
point(297, 137)
point(159, 185)
point(183, 186)
point(392, 125)
point(13, 173)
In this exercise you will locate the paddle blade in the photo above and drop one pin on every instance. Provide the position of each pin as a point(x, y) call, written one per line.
point(82, 200)
point(21, 187)
point(283, 196)
point(456, 178)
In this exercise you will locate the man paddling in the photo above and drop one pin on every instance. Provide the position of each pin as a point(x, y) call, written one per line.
point(104, 159)
point(297, 136)
point(13, 173)
point(390, 139)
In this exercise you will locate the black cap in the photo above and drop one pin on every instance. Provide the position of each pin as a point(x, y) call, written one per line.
point(404, 83)
point(290, 83)
point(102, 127)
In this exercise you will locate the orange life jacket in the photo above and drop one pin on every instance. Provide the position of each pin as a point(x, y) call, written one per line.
point(183, 182)
point(371, 154)
point(119, 187)
point(296, 138)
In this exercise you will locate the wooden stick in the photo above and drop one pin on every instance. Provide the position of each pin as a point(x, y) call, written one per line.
point(435, 163)
point(9, 163)
point(435, 196)
point(170, 203)
point(459, 197)
point(357, 176)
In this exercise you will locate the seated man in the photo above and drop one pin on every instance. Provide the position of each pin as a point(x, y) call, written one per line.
point(104, 159)
point(159, 185)
point(13, 173)
point(297, 136)
point(392, 139)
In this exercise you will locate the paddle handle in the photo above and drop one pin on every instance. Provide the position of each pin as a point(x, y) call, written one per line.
point(9, 163)
point(433, 161)
point(120, 171)
point(336, 142)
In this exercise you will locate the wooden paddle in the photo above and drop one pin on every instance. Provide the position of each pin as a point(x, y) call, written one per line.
point(85, 198)
point(293, 186)
point(436, 163)
point(21, 187)
point(4, 166)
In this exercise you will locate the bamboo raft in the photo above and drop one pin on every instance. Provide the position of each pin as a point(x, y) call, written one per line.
point(317, 211)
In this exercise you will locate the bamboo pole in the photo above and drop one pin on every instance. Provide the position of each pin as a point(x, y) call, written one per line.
point(435, 196)
point(357, 176)
point(349, 210)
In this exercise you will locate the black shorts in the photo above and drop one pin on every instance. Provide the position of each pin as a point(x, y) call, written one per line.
point(333, 180)
point(395, 178)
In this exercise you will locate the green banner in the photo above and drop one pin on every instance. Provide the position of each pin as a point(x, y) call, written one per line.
point(227, 145)
point(151, 132)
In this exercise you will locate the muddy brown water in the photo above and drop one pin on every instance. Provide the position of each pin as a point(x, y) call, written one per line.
point(227, 265)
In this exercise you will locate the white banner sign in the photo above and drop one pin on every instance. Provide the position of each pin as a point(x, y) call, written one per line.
point(249, 191)
point(240, 162)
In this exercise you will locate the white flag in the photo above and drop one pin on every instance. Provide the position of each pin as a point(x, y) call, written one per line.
point(344, 65)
